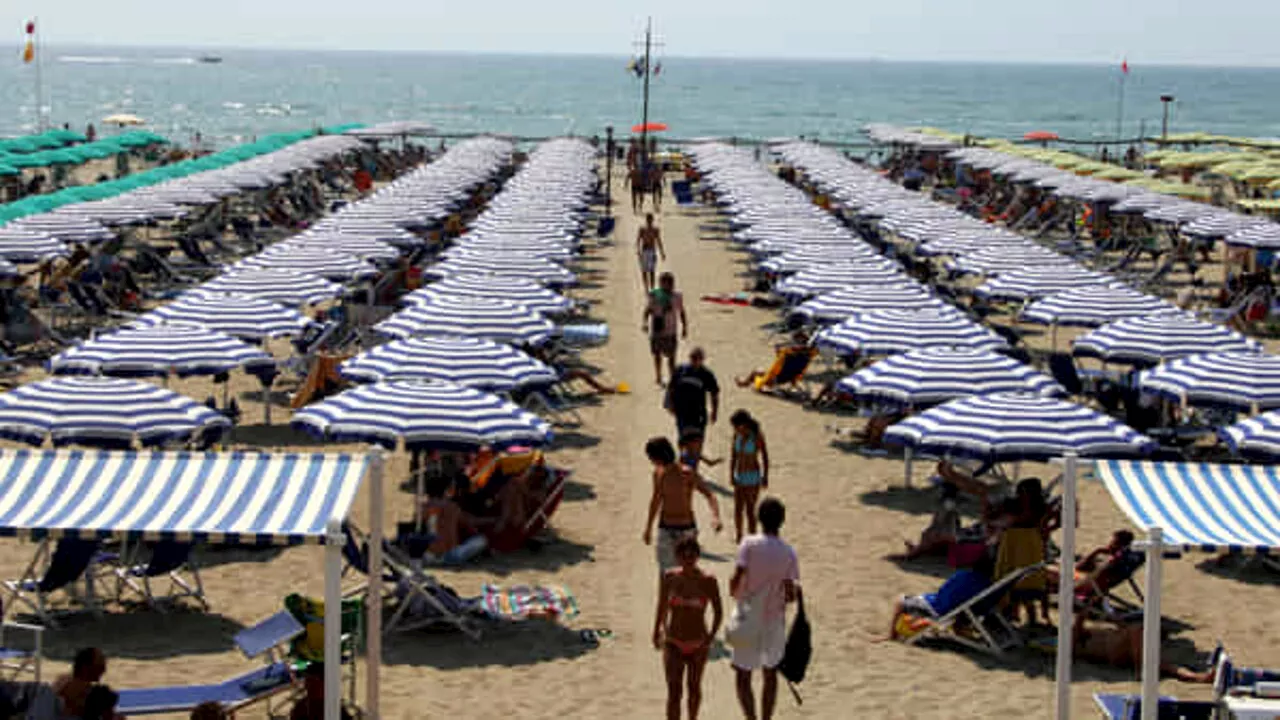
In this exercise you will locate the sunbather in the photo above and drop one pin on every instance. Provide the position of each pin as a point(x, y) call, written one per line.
point(672, 501)
point(759, 379)
point(1099, 569)
point(448, 525)
point(960, 588)
point(680, 630)
point(943, 529)
point(1120, 646)
point(88, 667)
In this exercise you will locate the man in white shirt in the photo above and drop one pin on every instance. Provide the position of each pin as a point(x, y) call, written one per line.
point(764, 581)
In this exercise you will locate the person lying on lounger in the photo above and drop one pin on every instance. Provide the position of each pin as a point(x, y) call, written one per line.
point(943, 529)
point(448, 525)
point(1120, 646)
point(1098, 569)
point(960, 588)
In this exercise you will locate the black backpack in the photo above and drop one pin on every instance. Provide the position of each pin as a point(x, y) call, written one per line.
point(799, 650)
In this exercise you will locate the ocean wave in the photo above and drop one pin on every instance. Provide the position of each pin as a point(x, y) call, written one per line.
point(175, 61)
point(92, 59)
point(232, 105)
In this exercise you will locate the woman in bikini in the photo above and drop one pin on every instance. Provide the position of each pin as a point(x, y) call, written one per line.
point(749, 466)
point(680, 628)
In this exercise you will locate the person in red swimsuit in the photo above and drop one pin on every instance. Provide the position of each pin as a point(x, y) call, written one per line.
point(680, 628)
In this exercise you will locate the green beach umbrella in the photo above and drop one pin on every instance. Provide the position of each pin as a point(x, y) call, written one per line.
point(95, 151)
point(62, 157)
point(22, 145)
point(9, 170)
point(29, 160)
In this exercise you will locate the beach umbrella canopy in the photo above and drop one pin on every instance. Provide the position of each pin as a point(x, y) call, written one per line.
point(539, 270)
point(1037, 282)
point(805, 257)
point(843, 304)
point(327, 263)
point(286, 287)
point(470, 362)
point(123, 119)
point(468, 316)
point(424, 415)
point(99, 411)
point(1093, 306)
point(1154, 339)
point(649, 127)
point(27, 246)
point(887, 332)
point(1016, 426)
point(1257, 437)
point(363, 248)
point(242, 316)
point(523, 292)
point(158, 351)
point(1011, 258)
point(837, 276)
point(928, 377)
point(1247, 380)
point(1040, 135)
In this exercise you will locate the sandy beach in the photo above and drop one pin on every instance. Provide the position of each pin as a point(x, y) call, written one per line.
point(845, 513)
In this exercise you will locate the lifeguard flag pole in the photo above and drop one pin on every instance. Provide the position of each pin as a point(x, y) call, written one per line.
point(29, 57)
point(1124, 75)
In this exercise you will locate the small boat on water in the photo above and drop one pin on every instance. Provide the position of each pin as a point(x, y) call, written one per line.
point(209, 59)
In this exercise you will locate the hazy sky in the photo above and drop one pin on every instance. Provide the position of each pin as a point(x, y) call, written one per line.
point(1229, 32)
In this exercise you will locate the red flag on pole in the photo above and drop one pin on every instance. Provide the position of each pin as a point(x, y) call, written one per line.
point(1124, 66)
point(29, 50)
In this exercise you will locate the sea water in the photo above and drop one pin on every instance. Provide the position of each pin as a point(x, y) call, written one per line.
point(253, 92)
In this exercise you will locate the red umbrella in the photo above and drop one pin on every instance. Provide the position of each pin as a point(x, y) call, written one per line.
point(649, 127)
point(1041, 135)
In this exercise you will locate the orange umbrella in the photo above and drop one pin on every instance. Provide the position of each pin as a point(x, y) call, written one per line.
point(1040, 135)
point(649, 127)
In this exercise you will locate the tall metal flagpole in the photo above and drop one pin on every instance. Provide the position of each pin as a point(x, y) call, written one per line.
point(41, 124)
point(1124, 75)
point(644, 119)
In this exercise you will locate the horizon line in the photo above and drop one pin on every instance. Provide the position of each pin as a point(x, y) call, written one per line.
point(595, 54)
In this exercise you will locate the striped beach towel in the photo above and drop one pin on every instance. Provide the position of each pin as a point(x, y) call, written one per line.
point(523, 601)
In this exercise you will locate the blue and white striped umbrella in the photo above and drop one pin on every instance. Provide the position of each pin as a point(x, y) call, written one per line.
point(1037, 282)
point(471, 362)
point(28, 246)
point(842, 304)
point(523, 292)
point(100, 411)
point(240, 316)
point(424, 414)
point(1247, 380)
point(158, 351)
point(66, 228)
point(1008, 427)
point(928, 377)
point(803, 258)
point(1158, 338)
point(326, 263)
point(481, 247)
point(363, 248)
point(837, 276)
point(1093, 306)
point(467, 316)
point(286, 287)
point(887, 332)
point(1257, 437)
point(539, 270)
point(8, 270)
point(996, 261)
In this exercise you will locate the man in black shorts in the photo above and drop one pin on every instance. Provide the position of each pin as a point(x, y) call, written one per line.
point(687, 396)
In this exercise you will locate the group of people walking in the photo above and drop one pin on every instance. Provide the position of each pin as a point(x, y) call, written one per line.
point(765, 578)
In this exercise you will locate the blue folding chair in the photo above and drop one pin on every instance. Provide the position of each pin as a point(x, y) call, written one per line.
point(54, 567)
point(170, 559)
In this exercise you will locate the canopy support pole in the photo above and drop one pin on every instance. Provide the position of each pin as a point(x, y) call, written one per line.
point(333, 620)
point(1151, 626)
point(1066, 587)
point(373, 606)
point(906, 472)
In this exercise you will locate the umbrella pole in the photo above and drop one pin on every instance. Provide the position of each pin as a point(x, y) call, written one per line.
point(1066, 590)
point(1151, 627)
point(906, 471)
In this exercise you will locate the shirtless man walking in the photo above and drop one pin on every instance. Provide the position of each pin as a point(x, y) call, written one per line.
point(637, 180)
point(648, 249)
point(672, 501)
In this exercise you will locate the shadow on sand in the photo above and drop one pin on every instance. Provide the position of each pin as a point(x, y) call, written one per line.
point(143, 634)
point(505, 644)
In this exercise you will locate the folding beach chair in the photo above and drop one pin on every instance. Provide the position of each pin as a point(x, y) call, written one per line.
point(17, 661)
point(979, 624)
point(54, 567)
point(269, 638)
point(1129, 707)
point(419, 599)
point(551, 403)
point(169, 559)
point(787, 372)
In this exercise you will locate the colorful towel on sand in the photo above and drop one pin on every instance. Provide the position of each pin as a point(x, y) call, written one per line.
point(523, 601)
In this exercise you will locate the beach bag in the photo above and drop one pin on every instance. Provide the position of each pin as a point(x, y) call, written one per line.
point(798, 652)
point(743, 627)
